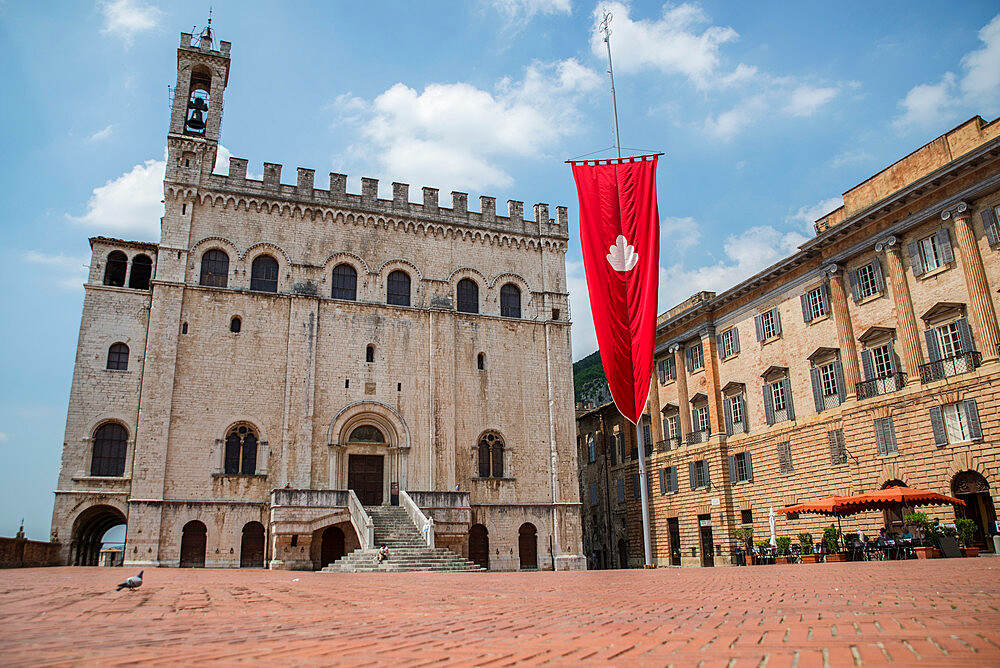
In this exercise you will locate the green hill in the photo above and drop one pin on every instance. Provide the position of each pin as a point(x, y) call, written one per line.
point(588, 373)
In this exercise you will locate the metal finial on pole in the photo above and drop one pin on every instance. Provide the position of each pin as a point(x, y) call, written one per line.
point(606, 27)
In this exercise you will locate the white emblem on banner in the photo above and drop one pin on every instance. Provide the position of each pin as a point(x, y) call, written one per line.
point(621, 256)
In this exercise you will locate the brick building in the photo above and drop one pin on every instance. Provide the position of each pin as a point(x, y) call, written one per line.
point(287, 355)
point(868, 358)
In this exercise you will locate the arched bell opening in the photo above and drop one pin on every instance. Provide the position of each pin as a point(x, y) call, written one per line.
point(89, 532)
point(199, 97)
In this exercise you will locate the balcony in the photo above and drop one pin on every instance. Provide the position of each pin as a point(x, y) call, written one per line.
point(668, 444)
point(950, 366)
point(696, 437)
point(873, 388)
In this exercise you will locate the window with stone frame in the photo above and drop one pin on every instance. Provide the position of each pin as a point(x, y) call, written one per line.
point(671, 427)
point(118, 357)
point(734, 407)
point(931, 252)
point(241, 451)
point(949, 340)
point(815, 303)
point(668, 480)
point(728, 343)
point(621, 490)
point(110, 447)
point(746, 516)
point(345, 282)
point(956, 422)
point(510, 301)
point(700, 419)
point(264, 274)
point(768, 325)
point(215, 269)
point(695, 357)
point(838, 446)
point(468, 296)
point(827, 377)
point(398, 288)
point(867, 281)
point(740, 467)
point(785, 458)
point(666, 369)
point(990, 216)
point(490, 452)
point(883, 363)
point(777, 392)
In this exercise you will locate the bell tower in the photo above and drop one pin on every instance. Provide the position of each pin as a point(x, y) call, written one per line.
point(196, 115)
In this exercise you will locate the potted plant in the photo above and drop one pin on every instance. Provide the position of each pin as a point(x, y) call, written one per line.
point(806, 540)
point(831, 538)
point(784, 550)
point(744, 535)
point(762, 547)
point(966, 531)
point(927, 528)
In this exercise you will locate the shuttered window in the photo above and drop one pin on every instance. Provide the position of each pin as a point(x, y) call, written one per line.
point(785, 457)
point(740, 467)
point(768, 325)
point(666, 369)
point(867, 281)
point(621, 490)
point(885, 436)
point(931, 252)
point(728, 343)
point(838, 447)
point(668, 480)
point(954, 423)
point(815, 303)
point(695, 357)
point(990, 218)
point(698, 473)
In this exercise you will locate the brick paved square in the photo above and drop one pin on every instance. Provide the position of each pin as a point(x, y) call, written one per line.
point(928, 613)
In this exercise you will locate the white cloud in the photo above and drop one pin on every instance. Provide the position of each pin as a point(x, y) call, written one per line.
point(131, 205)
point(525, 9)
point(584, 335)
point(68, 272)
point(683, 42)
point(3, 437)
point(934, 105)
point(850, 157)
point(454, 135)
point(806, 216)
point(100, 135)
point(125, 18)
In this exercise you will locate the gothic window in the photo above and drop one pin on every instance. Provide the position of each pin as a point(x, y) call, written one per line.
point(366, 433)
point(510, 301)
point(345, 282)
point(398, 289)
point(110, 441)
point(142, 271)
point(468, 296)
point(118, 357)
point(264, 274)
point(114, 271)
point(481, 361)
point(241, 451)
point(490, 455)
point(235, 325)
point(215, 269)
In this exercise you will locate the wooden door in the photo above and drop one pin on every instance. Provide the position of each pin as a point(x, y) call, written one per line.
point(332, 547)
point(364, 476)
point(252, 546)
point(527, 546)
point(675, 541)
point(479, 545)
point(193, 541)
point(707, 546)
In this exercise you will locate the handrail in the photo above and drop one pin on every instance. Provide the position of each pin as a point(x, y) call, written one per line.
point(950, 366)
point(422, 522)
point(878, 386)
point(362, 523)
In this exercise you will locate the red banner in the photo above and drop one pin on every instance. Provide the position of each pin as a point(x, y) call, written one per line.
point(620, 233)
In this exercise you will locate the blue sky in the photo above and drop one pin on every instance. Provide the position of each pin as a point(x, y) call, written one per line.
point(766, 112)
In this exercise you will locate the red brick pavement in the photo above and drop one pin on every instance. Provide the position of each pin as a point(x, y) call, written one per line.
point(929, 613)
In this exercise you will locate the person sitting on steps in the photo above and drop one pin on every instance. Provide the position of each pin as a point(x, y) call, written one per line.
point(382, 554)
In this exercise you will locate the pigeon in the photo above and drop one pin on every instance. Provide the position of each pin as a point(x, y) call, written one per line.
point(133, 582)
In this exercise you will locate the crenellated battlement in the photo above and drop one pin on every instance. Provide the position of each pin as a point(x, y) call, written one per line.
point(305, 191)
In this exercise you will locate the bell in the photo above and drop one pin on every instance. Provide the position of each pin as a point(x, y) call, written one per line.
point(197, 120)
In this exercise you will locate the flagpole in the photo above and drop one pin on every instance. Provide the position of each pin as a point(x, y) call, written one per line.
point(640, 443)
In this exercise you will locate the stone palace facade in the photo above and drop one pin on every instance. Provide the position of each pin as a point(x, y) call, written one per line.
point(867, 359)
point(287, 355)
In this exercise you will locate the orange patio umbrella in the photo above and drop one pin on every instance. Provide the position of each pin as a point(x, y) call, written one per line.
point(828, 505)
point(896, 497)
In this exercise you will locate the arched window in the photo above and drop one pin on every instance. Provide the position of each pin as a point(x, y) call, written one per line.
point(366, 433)
point(264, 274)
point(490, 454)
point(142, 271)
point(398, 289)
point(215, 269)
point(510, 301)
point(370, 353)
point(110, 443)
point(235, 325)
point(345, 282)
point(468, 296)
point(198, 101)
point(481, 361)
point(114, 271)
point(241, 451)
point(118, 357)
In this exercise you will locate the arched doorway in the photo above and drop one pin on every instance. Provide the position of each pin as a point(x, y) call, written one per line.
point(479, 545)
point(193, 539)
point(331, 546)
point(527, 546)
point(972, 487)
point(622, 553)
point(892, 518)
point(252, 546)
point(89, 531)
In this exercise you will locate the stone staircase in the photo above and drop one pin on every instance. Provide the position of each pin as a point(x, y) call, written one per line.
point(408, 550)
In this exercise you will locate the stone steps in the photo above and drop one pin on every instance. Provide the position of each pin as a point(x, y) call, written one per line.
point(408, 551)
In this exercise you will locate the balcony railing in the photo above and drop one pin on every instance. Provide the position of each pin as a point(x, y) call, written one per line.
point(950, 366)
point(873, 388)
point(668, 444)
point(696, 437)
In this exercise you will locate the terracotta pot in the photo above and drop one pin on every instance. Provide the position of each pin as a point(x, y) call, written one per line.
point(924, 552)
point(782, 559)
point(970, 551)
point(836, 557)
point(749, 560)
point(809, 558)
point(938, 554)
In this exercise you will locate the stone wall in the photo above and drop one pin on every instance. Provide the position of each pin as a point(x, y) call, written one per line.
point(23, 553)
